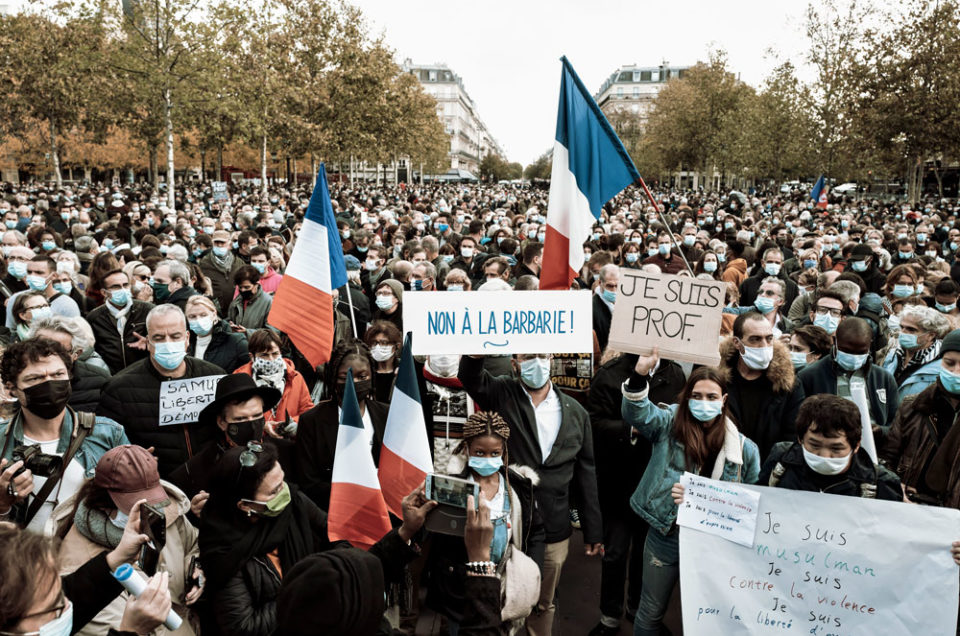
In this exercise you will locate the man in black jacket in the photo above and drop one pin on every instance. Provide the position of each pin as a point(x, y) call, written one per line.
point(171, 284)
point(603, 302)
point(772, 265)
point(119, 313)
point(133, 396)
point(550, 432)
point(620, 465)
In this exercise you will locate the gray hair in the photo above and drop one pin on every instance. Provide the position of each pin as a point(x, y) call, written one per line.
point(928, 319)
point(847, 289)
point(429, 271)
point(177, 270)
point(165, 310)
point(177, 252)
point(495, 284)
point(77, 328)
point(20, 236)
point(781, 286)
point(606, 270)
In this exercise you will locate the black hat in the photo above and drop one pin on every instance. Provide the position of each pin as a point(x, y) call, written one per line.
point(237, 387)
point(861, 253)
point(951, 342)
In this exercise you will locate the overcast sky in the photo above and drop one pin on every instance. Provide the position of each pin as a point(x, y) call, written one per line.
point(507, 52)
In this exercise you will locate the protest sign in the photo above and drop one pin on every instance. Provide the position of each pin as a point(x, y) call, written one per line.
point(219, 190)
point(474, 323)
point(679, 314)
point(182, 400)
point(720, 508)
point(825, 564)
point(572, 371)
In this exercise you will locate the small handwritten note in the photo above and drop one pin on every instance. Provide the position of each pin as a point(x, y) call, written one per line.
point(182, 400)
point(720, 508)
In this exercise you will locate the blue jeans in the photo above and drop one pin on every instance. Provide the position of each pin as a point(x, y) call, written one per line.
point(661, 569)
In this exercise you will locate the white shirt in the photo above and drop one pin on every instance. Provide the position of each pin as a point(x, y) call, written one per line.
point(73, 478)
point(367, 423)
point(548, 416)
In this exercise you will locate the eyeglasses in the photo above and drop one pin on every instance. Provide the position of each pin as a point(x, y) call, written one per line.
point(823, 311)
point(57, 611)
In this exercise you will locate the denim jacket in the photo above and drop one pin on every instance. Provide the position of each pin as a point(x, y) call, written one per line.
point(106, 434)
point(652, 500)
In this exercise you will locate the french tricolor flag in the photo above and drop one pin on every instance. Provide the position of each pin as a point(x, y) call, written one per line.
point(819, 193)
point(357, 511)
point(590, 167)
point(303, 304)
point(405, 455)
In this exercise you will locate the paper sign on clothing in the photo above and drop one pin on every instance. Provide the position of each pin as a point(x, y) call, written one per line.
point(477, 323)
point(182, 400)
point(720, 508)
point(825, 564)
point(681, 315)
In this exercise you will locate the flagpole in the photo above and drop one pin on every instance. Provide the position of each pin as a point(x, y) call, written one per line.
point(673, 239)
point(353, 316)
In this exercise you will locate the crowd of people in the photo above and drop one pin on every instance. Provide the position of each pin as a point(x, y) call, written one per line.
point(109, 293)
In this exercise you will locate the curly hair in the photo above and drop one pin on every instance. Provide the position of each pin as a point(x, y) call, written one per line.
point(485, 423)
point(18, 355)
point(341, 353)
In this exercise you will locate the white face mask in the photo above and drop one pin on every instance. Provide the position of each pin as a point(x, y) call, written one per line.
point(826, 465)
point(445, 366)
point(757, 358)
point(381, 353)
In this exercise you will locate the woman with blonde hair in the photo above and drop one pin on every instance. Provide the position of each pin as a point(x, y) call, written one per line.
point(211, 338)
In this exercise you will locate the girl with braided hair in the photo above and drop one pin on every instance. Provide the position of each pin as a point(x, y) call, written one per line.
point(317, 430)
point(482, 458)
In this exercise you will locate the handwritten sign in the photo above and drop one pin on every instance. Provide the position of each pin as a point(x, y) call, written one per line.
point(182, 400)
point(720, 508)
point(219, 190)
point(825, 564)
point(474, 323)
point(679, 314)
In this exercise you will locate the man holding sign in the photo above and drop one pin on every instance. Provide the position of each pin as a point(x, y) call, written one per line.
point(132, 397)
point(550, 432)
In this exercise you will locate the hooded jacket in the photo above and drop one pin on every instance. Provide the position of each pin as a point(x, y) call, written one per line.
point(735, 272)
point(777, 415)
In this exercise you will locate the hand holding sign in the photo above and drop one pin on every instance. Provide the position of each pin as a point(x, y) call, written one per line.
point(646, 364)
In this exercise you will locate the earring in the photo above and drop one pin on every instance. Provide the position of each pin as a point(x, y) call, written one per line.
point(249, 514)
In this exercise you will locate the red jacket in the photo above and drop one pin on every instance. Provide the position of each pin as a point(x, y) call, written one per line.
point(296, 396)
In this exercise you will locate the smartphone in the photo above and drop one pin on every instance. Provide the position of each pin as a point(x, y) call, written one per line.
point(451, 491)
point(153, 523)
point(194, 577)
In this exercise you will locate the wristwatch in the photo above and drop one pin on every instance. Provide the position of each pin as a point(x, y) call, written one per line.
point(481, 568)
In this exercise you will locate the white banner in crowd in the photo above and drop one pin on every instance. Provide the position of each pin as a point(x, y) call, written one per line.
point(825, 564)
point(182, 400)
point(679, 314)
point(492, 323)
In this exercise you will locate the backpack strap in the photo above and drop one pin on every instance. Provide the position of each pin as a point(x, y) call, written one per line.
point(83, 425)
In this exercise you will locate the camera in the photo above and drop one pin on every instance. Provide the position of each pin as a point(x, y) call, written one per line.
point(36, 461)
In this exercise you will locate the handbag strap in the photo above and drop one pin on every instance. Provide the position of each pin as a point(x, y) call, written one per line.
point(83, 425)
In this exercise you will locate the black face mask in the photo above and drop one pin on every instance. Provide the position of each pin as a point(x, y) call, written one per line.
point(247, 431)
point(246, 294)
point(363, 388)
point(47, 399)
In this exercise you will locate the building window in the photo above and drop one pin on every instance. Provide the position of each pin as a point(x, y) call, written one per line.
point(619, 91)
point(433, 76)
point(644, 76)
point(654, 76)
point(636, 92)
point(624, 77)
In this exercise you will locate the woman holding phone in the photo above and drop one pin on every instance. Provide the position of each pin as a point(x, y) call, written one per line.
point(507, 491)
point(696, 436)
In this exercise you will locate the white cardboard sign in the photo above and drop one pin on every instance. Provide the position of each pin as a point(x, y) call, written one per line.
point(182, 400)
point(825, 564)
point(493, 323)
point(720, 508)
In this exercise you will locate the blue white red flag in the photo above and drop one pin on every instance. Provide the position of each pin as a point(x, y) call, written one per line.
point(405, 455)
point(303, 304)
point(357, 512)
point(819, 193)
point(590, 167)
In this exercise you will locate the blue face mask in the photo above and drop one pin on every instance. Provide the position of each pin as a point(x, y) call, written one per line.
point(906, 255)
point(859, 266)
point(664, 249)
point(946, 308)
point(485, 466)
point(773, 269)
point(902, 291)
point(709, 267)
point(652, 251)
point(722, 258)
point(454, 287)
point(851, 362)
point(120, 297)
point(609, 296)
point(17, 269)
point(826, 322)
point(48, 245)
point(908, 340)
point(632, 257)
point(798, 358)
point(260, 267)
point(169, 355)
point(921, 237)
point(219, 251)
point(705, 410)
point(442, 227)
point(535, 373)
point(763, 304)
point(416, 285)
point(10, 224)
point(950, 381)
point(447, 258)
point(809, 263)
point(36, 283)
point(689, 240)
point(63, 288)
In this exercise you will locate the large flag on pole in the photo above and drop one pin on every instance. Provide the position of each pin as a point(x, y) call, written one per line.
point(357, 512)
point(819, 193)
point(405, 455)
point(590, 167)
point(303, 304)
